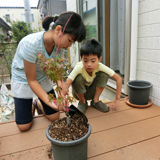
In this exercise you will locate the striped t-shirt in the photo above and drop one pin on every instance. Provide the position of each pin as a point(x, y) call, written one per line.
point(27, 49)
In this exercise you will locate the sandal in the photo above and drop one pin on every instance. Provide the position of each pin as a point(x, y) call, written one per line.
point(100, 106)
point(82, 107)
point(39, 111)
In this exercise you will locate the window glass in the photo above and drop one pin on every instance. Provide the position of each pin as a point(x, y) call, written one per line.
point(24, 18)
point(7, 17)
point(90, 20)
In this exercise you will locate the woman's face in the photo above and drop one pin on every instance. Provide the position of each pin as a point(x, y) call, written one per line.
point(65, 41)
point(62, 41)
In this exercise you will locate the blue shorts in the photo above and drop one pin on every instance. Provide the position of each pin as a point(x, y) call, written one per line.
point(23, 109)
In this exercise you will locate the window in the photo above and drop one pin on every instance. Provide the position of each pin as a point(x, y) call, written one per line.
point(85, 6)
point(89, 17)
point(24, 18)
point(7, 17)
point(32, 17)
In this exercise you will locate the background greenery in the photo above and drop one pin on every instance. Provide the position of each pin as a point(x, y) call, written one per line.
point(7, 49)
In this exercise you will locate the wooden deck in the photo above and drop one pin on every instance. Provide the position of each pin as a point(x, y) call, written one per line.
point(128, 133)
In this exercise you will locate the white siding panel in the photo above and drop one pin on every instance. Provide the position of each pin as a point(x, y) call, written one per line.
point(148, 53)
point(148, 6)
point(71, 5)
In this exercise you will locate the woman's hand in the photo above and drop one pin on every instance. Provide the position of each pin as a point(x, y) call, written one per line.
point(114, 104)
point(57, 107)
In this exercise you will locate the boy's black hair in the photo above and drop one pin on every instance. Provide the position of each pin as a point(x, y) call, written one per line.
point(74, 27)
point(91, 47)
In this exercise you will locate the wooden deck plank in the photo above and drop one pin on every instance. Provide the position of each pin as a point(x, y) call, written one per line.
point(39, 153)
point(108, 121)
point(123, 136)
point(146, 150)
point(99, 143)
point(41, 122)
point(11, 128)
point(92, 112)
point(23, 141)
point(39, 135)
point(111, 131)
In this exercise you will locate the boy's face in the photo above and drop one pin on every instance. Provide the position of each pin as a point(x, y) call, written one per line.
point(90, 62)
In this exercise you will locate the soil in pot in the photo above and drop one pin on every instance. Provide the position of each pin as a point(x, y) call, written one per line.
point(61, 131)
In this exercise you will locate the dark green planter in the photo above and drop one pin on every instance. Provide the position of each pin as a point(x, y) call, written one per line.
point(72, 150)
point(139, 92)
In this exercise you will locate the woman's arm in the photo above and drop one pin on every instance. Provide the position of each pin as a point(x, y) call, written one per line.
point(30, 71)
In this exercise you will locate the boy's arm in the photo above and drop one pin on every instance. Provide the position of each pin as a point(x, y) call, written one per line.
point(118, 79)
point(67, 84)
point(118, 84)
point(77, 70)
point(105, 69)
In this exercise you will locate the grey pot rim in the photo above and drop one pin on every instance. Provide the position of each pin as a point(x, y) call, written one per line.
point(68, 143)
point(139, 87)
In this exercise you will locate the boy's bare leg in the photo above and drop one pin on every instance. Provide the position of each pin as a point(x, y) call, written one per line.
point(82, 105)
point(97, 94)
point(81, 98)
point(99, 105)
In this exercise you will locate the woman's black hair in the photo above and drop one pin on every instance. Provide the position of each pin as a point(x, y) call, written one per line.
point(91, 47)
point(74, 27)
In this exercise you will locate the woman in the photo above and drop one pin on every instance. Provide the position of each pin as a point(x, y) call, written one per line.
point(27, 77)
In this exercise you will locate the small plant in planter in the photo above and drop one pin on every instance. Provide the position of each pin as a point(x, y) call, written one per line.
point(68, 136)
point(56, 69)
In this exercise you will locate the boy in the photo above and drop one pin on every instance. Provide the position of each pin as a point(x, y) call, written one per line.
point(89, 77)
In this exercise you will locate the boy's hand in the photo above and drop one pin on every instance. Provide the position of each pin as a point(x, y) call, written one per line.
point(114, 104)
point(65, 89)
point(66, 86)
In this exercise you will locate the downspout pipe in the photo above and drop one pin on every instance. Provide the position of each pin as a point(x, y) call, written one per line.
point(44, 8)
point(134, 33)
point(27, 9)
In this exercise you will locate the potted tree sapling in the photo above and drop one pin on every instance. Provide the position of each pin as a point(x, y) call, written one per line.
point(69, 135)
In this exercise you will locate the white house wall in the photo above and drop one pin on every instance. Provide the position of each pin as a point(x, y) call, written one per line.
point(15, 14)
point(148, 57)
point(71, 6)
point(89, 18)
